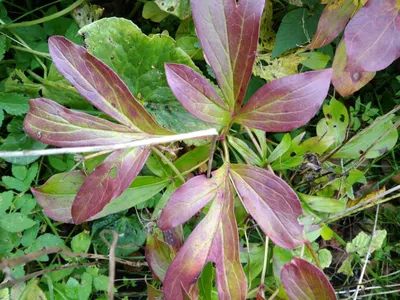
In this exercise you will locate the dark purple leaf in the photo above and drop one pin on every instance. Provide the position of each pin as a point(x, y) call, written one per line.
point(109, 180)
point(53, 124)
point(304, 281)
point(271, 202)
point(286, 103)
point(100, 85)
point(372, 37)
point(196, 94)
point(228, 31)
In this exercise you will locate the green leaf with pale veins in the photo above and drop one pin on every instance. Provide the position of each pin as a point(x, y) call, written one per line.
point(14, 104)
point(139, 61)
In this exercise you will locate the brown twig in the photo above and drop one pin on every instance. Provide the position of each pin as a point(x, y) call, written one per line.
point(111, 267)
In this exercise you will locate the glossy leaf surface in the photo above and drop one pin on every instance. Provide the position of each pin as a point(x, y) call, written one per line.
point(271, 202)
point(376, 48)
point(304, 281)
point(196, 94)
point(228, 32)
point(100, 85)
point(108, 181)
point(332, 21)
point(286, 103)
point(346, 80)
point(53, 124)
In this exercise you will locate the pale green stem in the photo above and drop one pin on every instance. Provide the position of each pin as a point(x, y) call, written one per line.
point(168, 162)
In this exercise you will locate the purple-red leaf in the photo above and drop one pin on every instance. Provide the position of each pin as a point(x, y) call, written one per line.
point(231, 280)
point(109, 180)
point(53, 124)
point(271, 202)
point(286, 103)
point(304, 281)
point(228, 31)
point(348, 81)
point(372, 37)
point(196, 94)
point(186, 201)
point(332, 22)
point(100, 85)
point(190, 260)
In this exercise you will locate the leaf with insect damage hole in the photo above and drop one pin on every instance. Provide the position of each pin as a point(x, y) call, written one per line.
point(196, 94)
point(271, 202)
point(304, 281)
point(346, 80)
point(100, 85)
point(377, 47)
point(286, 103)
point(108, 181)
point(228, 31)
point(53, 124)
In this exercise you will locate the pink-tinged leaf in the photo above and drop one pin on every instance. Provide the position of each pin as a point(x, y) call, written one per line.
point(332, 22)
point(158, 255)
point(372, 37)
point(57, 195)
point(304, 281)
point(190, 260)
point(109, 180)
point(174, 237)
point(153, 293)
point(347, 82)
point(271, 202)
point(228, 31)
point(196, 94)
point(231, 280)
point(187, 200)
point(286, 103)
point(100, 85)
point(53, 124)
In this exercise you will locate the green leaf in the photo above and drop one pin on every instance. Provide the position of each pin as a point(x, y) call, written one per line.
point(19, 172)
point(375, 135)
point(315, 60)
point(14, 104)
point(14, 183)
point(188, 41)
point(153, 12)
point(80, 243)
point(139, 60)
point(179, 8)
point(245, 151)
point(297, 28)
point(16, 222)
point(361, 242)
point(6, 199)
point(100, 283)
point(335, 122)
point(281, 257)
point(129, 230)
point(325, 258)
point(346, 267)
point(281, 149)
point(46, 240)
point(21, 141)
point(323, 204)
point(3, 46)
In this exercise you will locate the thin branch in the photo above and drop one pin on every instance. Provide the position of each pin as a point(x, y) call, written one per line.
point(111, 267)
point(264, 269)
point(355, 208)
point(170, 164)
point(254, 142)
point(13, 282)
point(146, 142)
point(368, 255)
